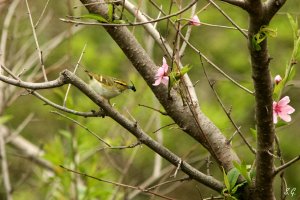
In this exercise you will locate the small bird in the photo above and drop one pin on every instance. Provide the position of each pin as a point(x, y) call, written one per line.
point(108, 87)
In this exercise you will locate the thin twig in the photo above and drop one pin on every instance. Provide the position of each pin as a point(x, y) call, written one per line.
point(7, 21)
point(188, 33)
point(168, 182)
point(77, 65)
point(226, 112)
point(138, 143)
point(163, 127)
point(117, 184)
point(287, 164)
point(177, 168)
point(161, 112)
point(221, 26)
point(42, 14)
point(48, 102)
point(227, 17)
point(40, 54)
point(82, 126)
point(5, 171)
point(132, 24)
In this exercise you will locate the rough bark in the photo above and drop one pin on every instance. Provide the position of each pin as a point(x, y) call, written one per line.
point(208, 134)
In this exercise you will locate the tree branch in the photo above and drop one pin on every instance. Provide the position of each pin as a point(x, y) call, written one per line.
point(286, 165)
point(238, 3)
point(209, 135)
point(272, 7)
point(264, 101)
point(68, 77)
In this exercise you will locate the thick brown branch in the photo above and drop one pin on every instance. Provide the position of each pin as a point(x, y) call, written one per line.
point(68, 77)
point(272, 7)
point(213, 139)
point(261, 15)
point(238, 3)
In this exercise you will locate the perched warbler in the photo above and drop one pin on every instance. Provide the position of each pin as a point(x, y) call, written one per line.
point(106, 86)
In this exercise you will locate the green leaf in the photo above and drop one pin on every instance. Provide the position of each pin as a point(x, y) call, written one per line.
point(281, 123)
point(5, 118)
point(291, 74)
point(97, 17)
point(110, 12)
point(253, 133)
point(242, 168)
point(294, 25)
point(262, 34)
point(237, 187)
point(226, 181)
point(255, 45)
point(175, 76)
point(233, 176)
point(65, 134)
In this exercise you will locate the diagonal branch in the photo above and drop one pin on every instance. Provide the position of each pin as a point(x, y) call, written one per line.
point(208, 134)
point(272, 7)
point(286, 165)
point(238, 3)
point(68, 77)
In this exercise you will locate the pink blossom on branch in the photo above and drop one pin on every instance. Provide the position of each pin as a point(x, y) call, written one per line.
point(282, 110)
point(162, 74)
point(195, 21)
point(277, 79)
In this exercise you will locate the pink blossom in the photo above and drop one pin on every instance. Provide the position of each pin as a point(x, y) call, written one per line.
point(282, 109)
point(195, 21)
point(277, 79)
point(162, 74)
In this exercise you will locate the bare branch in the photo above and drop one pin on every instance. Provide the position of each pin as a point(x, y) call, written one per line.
point(286, 165)
point(82, 126)
point(36, 42)
point(227, 17)
point(180, 114)
point(77, 65)
point(272, 7)
point(239, 3)
point(42, 14)
point(68, 77)
point(118, 184)
point(5, 172)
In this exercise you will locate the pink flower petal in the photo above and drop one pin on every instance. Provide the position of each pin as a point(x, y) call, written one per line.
point(157, 81)
point(161, 75)
point(165, 80)
point(284, 101)
point(160, 72)
point(165, 66)
point(285, 117)
point(287, 109)
point(277, 79)
point(282, 110)
point(195, 21)
point(275, 120)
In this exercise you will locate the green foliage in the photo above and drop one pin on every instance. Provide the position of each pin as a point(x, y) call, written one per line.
point(97, 17)
point(5, 118)
point(110, 12)
point(175, 76)
point(230, 181)
point(290, 70)
point(253, 133)
point(262, 34)
point(245, 171)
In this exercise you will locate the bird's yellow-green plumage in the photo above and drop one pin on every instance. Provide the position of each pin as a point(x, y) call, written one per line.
point(106, 86)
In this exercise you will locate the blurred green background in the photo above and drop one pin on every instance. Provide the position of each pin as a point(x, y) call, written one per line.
point(63, 141)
